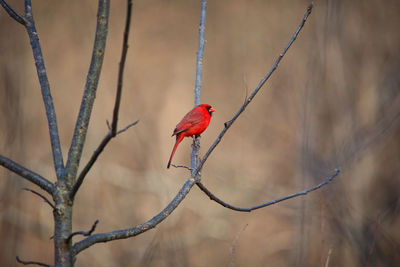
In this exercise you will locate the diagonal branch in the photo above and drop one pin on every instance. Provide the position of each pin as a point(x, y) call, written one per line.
point(82, 123)
point(139, 229)
point(27, 174)
point(113, 131)
point(45, 87)
point(269, 203)
point(229, 123)
point(14, 14)
point(41, 196)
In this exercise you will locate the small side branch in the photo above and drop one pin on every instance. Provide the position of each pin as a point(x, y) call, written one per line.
point(13, 14)
point(87, 233)
point(32, 262)
point(42, 196)
point(269, 203)
point(182, 166)
point(27, 174)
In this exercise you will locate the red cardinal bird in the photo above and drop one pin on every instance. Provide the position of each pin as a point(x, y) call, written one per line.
point(194, 123)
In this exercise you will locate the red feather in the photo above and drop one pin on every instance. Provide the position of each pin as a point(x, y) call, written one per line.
point(193, 124)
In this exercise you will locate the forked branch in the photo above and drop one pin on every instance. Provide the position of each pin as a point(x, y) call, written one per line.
point(113, 130)
point(82, 123)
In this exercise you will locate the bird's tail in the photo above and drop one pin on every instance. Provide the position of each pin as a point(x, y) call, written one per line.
point(179, 138)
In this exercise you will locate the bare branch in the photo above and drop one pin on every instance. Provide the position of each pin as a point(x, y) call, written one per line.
point(32, 262)
point(13, 14)
point(42, 196)
point(113, 129)
point(27, 174)
point(197, 88)
point(127, 127)
point(82, 123)
point(87, 233)
point(45, 87)
point(229, 123)
point(269, 203)
point(141, 228)
point(122, 67)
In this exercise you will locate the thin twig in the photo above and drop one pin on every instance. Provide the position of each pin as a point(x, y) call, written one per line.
point(232, 249)
point(301, 193)
point(13, 14)
point(32, 262)
point(229, 123)
point(27, 174)
point(42, 196)
point(45, 88)
point(127, 127)
point(122, 67)
point(113, 128)
point(82, 123)
point(84, 233)
point(182, 166)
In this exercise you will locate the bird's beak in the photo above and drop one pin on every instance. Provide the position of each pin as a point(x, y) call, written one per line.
point(211, 110)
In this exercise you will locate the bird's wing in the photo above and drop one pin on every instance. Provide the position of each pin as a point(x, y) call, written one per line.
point(190, 119)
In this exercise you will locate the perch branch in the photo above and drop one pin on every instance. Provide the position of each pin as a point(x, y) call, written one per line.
point(13, 14)
point(42, 196)
point(27, 174)
point(301, 193)
point(82, 123)
point(199, 73)
point(32, 262)
point(84, 233)
point(113, 130)
point(45, 87)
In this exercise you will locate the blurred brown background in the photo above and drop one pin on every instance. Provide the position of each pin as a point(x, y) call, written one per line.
point(333, 102)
